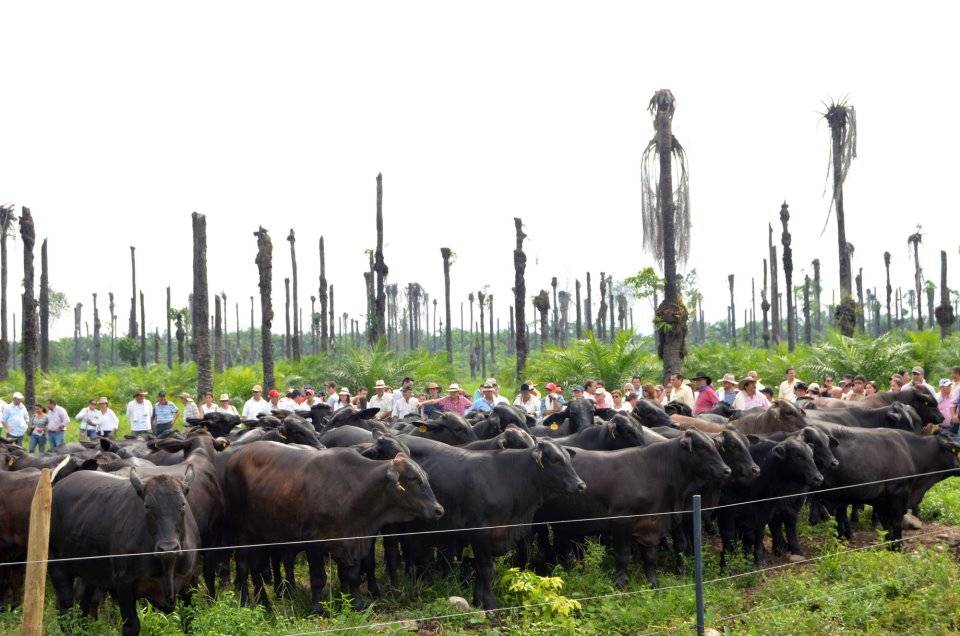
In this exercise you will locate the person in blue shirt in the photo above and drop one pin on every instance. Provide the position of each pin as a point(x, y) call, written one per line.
point(164, 414)
point(486, 402)
point(15, 419)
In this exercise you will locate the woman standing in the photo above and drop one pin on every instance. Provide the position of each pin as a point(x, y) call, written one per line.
point(105, 421)
point(38, 436)
point(344, 401)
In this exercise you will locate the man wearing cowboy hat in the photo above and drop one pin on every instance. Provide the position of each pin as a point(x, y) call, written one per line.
point(407, 405)
point(527, 401)
point(749, 398)
point(706, 397)
point(139, 412)
point(728, 393)
point(381, 401)
point(487, 400)
point(256, 404)
point(15, 419)
point(429, 406)
point(225, 406)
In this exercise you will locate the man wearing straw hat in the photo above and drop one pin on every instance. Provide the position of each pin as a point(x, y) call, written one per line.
point(728, 392)
point(381, 401)
point(749, 397)
point(453, 402)
point(139, 412)
point(15, 418)
point(256, 404)
point(225, 405)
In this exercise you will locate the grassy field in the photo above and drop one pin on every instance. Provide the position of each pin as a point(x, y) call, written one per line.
point(868, 590)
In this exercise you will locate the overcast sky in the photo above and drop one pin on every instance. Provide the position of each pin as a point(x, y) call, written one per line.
point(119, 119)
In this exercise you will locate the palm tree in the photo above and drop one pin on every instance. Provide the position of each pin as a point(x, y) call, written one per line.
point(380, 268)
point(542, 303)
point(96, 335)
point(295, 346)
point(322, 295)
point(843, 150)
point(666, 226)
point(29, 337)
point(446, 253)
point(519, 298)
point(774, 289)
point(579, 325)
point(200, 313)
point(944, 313)
point(264, 262)
point(217, 335)
point(886, 264)
point(77, 321)
point(785, 240)
point(483, 345)
point(133, 332)
point(914, 240)
point(7, 219)
point(765, 307)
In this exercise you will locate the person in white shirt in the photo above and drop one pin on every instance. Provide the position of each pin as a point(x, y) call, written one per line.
point(139, 412)
point(332, 397)
point(756, 378)
point(105, 421)
point(344, 400)
point(16, 419)
point(225, 406)
point(787, 387)
point(310, 399)
point(529, 402)
point(398, 395)
point(619, 404)
point(678, 391)
point(288, 402)
point(256, 404)
point(86, 417)
point(207, 406)
point(381, 400)
point(407, 404)
point(749, 397)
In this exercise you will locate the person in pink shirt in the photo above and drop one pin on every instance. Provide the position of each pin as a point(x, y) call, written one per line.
point(454, 402)
point(749, 398)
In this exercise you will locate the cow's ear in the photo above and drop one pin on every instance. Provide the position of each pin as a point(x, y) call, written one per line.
point(502, 442)
point(686, 441)
point(89, 464)
point(136, 483)
point(188, 476)
point(718, 440)
point(555, 418)
point(571, 452)
point(377, 434)
point(833, 441)
point(779, 451)
point(537, 453)
point(753, 439)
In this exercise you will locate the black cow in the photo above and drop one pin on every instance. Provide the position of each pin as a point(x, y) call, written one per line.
point(897, 415)
point(786, 467)
point(923, 402)
point(354, 417)
point(575, 416)
point(620, 432)
point(97, 514)
point(651, 414)
point(218, 424)
point(487, 488)
point(512, 437)
point(496, 421)
point(292, 430)
point(626, 483)
point(325, 494)
point(872, 455)
point(448, 428)
point(781, 416)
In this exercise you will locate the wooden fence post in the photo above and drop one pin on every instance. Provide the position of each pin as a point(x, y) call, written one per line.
point(35, 584)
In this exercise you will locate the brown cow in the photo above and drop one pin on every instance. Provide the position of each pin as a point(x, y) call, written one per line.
point(781, 416)
point(705, 426)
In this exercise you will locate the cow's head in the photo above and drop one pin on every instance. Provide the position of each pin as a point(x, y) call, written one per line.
point(923, 401)
point(514, 437)
point(554, 468)
point(384, 446)
point(791, 416)
point(700, 453)
point(449, 428)
point(796, 459)
point(734, 450)
point(651, 414)
point(623, 432)
point(822, 445)
point(904, 417)
point(296, 430)
point(411, 488)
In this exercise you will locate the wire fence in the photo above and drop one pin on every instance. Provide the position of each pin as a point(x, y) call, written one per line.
point(437, 531)
point(500, 610)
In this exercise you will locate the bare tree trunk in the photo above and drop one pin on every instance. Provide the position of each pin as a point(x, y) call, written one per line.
point(445, 253)
point(602, 311)
point(6, 221)
point(944, 313)
point(556, 311)
point(264, 262)
point(817, 289)
point(332, 310)
point(314, 325)
point(579, 325)
point(322, 295)
point(519, 298)
point(588, 308)
point(200, 315)
point(113, 332)
point(77, 321)
point(564, 316)
point(28, 235)
point(483, 347)
point(733, 314)
point(493, 359)
point(889, 290)
point(542, 304)
point(286, 336)
point(217, 336)
point(96, 334)
point(860, 313)
point(133, 332)
point(380, 267)
point(181, 338)
point(785, 240)
point(44, 309)
point(143, 334)
point(774, 293)
point(613, 326)
point(295, 345)
point(765, 307)
point(807, 335)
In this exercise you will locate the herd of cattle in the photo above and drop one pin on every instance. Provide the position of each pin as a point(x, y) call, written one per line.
point(328, 485)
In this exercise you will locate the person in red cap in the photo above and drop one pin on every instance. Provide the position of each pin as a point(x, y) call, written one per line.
point(553, 401)
point(274, 397)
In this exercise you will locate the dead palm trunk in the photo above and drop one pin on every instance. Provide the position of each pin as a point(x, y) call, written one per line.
point(817, 289)
point(169, 333)
point(733, 313)
point(588, 307)
point(133, 332)
point(944, 313)
point(217, 336)
point(807, 335)
point(295, 344)
point(286, 312)
point(774, 292)
point(915, 240)
point(96, 334)
point(380, 268)
point(314, 324)
point(44, 309)
point(785, 240)
point(519, 298)
point(493, 359)
point(470, 298)
point(28, 235)
point(843, 133)
point(666, 227)
point(77, 321)
point(143, 334)
point(556, 311)
point(930, 289)
point(200, 316)
point(611, 306)
point(564, 316)
point(156, 345)
point(579, 326)
point(7, 219)
point(542, 303)
point(753, 311)
point(446, 253)
point(765, 307)
point(322, 294)
point(113, 331)
point(860, 311)
point(483, 346)
point(264, 262)
point(332, 314)
point(602, 310)
point(181, 337)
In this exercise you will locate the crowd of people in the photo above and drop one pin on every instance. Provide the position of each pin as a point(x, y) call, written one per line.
point(47, 425)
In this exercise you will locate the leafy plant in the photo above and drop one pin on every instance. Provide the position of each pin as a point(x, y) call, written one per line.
point(540, 597)
point(614, 363)
point(874, 358)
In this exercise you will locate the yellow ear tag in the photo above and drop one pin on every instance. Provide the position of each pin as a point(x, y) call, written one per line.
point(554, 426)
point(400, 487)
point(422, 429)
point(10, 461)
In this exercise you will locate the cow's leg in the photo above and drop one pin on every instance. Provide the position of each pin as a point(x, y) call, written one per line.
point(241, 585)
point(259, 566)
point(521, 554)
point(127, 602)
point(289, 569)
point(318, 577)
point(349, 574)
point(777, 534)
point(369, 570)
point(680, 546)
point(855, 514)
point(62, 587)
point(391, 559)
point(649, 555)
point(483, 580)
point(844, 530)
point(620, 543)
point(790, 525)
point(210, 561)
